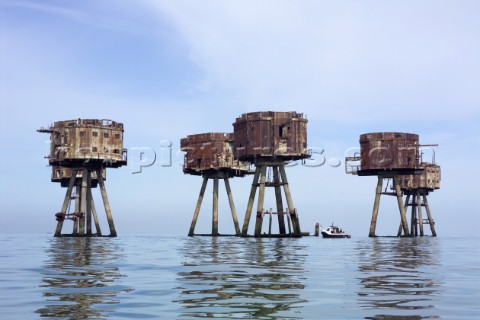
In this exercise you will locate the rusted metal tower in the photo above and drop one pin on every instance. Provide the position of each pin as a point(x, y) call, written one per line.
point(269, 140)
point(80, 152)
point(387, 155)
point(416, 188)
point(210, 155)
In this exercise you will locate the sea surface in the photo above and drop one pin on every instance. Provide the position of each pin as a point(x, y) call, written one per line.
point(178, 277)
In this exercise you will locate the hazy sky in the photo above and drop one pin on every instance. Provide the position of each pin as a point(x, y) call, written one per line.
point(167, 69)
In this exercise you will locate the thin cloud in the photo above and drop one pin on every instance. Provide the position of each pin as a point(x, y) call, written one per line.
point(87, 15)
point(333, 60)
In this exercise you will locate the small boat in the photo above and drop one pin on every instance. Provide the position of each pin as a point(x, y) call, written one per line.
point(334, 232)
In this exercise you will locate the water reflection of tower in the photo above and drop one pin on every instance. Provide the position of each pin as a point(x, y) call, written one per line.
point(225, 278)
point(80, 151)
point(81, 279)
point(395, 277)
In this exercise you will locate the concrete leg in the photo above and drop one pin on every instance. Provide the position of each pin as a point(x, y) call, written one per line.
point(413, 218)
point(295, 222)
point(94, 213)
point(261, 199)
point(111, 225)
point(278, 197)
point(66, 201)
point(294, 216)
point(76, 221)
point(419, 210)
point(403, 215)
point(232, 207)
point(83, 201)
point(197, 208)
point(89, 203)
point(400, 227)
point(289, 221)
point(270, 223)
point(215, 208)
point(251, 199)
point(376, 205)
point(429, 215)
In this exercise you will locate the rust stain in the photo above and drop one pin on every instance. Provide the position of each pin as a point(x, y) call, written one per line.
point(429, 179)
point(389, 151)
point(281, 135)
point(211, 152)
point(76, 143)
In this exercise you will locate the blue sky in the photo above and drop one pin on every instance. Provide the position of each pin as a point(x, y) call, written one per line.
point(167, 69)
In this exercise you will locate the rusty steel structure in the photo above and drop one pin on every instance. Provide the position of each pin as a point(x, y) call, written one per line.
point(382, 152)
point(416, 189)
point(74, 143)
point(80, 152)
point(428, 180)
point(62, 175)
point(269, 140)
point(272, 135)
point(210, 155)
point(389, 156)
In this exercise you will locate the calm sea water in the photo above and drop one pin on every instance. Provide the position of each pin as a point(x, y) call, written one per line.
point(177, 277)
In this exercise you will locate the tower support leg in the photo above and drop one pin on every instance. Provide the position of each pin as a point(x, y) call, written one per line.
point(215, 208)
point(376, 205)
point(89, 203)
point(400, 206)
point(66, 201)
point(113, 232)
point(197, 208)
point(261, 199)
point(278, 197)
point(419, 212)
point(291, 207)
point(76, 221)
point(413, 218)
point(94, 213)
point(270, 222)
point(429, 215)
point(251, 199)
point(232, 206)
point(83, 201)
point(400, 227)
point(289, 221)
